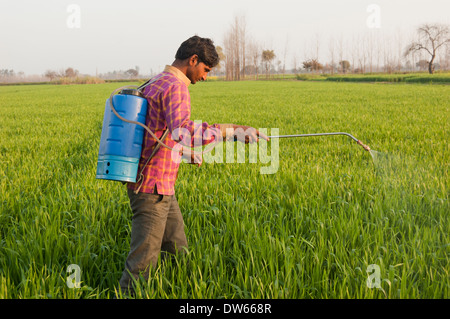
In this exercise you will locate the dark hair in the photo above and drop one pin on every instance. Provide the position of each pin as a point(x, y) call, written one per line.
point(203, 47)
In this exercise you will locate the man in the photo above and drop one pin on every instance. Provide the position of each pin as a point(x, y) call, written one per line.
point(157, 223)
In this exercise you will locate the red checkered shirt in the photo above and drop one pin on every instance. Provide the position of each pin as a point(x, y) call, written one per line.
point(169, 107)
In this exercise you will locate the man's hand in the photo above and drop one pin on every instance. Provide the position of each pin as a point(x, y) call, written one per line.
point(241, 133)
point(248, 134)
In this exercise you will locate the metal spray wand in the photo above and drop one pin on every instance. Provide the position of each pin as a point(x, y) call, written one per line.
point(366, 147)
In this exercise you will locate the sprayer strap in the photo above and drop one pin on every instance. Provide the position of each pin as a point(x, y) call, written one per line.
point(141, 176)
point(150, 81)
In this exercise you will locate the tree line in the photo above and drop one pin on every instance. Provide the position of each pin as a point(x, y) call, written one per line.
point(243, 57)
point(132, 73)
point(69, 75)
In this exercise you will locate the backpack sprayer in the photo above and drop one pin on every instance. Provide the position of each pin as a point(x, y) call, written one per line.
point(123, 134)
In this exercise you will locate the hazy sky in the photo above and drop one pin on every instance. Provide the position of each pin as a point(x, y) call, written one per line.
point(100, 36)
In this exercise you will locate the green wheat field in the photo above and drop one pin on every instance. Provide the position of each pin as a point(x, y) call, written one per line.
point(314, 229)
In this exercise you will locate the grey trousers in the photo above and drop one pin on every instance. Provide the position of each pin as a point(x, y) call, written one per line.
point(157, 226)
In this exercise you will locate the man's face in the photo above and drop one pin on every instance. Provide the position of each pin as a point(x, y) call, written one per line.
point(197, 71)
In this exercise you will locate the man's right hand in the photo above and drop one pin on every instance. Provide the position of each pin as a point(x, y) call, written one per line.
point(242, 133)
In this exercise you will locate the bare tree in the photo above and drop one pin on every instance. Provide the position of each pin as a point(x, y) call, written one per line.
point(388, 60)
point(285, 52)
point(254, 52)
point(359, 55)
point(234, 43)
point(229, 56)
point(431, 37)
point(379, 45)
point(332, 55)
point(235, 47)
point(398, 41)
point(242, 39)
point(354, 52)
point(295, 63)
point(341, 53)
point(369, 48)
point(7, 75)
point(317, 46)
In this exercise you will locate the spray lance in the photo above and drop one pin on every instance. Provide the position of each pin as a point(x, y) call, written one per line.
point(366, 147)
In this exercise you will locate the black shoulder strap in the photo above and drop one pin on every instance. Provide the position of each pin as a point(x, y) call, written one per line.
point(150, 81)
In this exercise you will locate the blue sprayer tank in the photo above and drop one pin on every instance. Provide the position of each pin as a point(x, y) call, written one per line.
point(121, 142)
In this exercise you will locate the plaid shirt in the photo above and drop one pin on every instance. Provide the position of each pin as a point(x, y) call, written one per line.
point(169, 107)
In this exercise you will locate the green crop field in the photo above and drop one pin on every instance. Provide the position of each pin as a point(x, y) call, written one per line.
point(331, 221)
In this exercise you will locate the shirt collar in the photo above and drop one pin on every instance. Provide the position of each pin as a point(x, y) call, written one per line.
point(177, 72)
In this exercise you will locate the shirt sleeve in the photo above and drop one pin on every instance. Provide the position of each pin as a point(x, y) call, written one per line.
point(177, 111)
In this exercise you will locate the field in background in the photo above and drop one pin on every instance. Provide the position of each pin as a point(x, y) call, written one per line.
point(441, 78)
point(313, 229)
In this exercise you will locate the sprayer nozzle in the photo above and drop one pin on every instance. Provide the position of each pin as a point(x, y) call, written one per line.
point(366, 147)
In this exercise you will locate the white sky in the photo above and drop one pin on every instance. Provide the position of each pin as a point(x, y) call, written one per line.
point(117, 35)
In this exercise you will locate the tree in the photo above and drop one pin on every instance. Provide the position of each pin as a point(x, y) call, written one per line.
point(70, 73)
point(234, 43)
point(285, 52)
point(132, 73)
point(254, 56)
point(312, 65)
point(6, 73)
point(431, 37)
point(51, 74)
point(332, 54)
point(345, 65)
point(340, 48)
point(243, 39)
point(267, 56)
point(422, 64)
point(294, 62)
